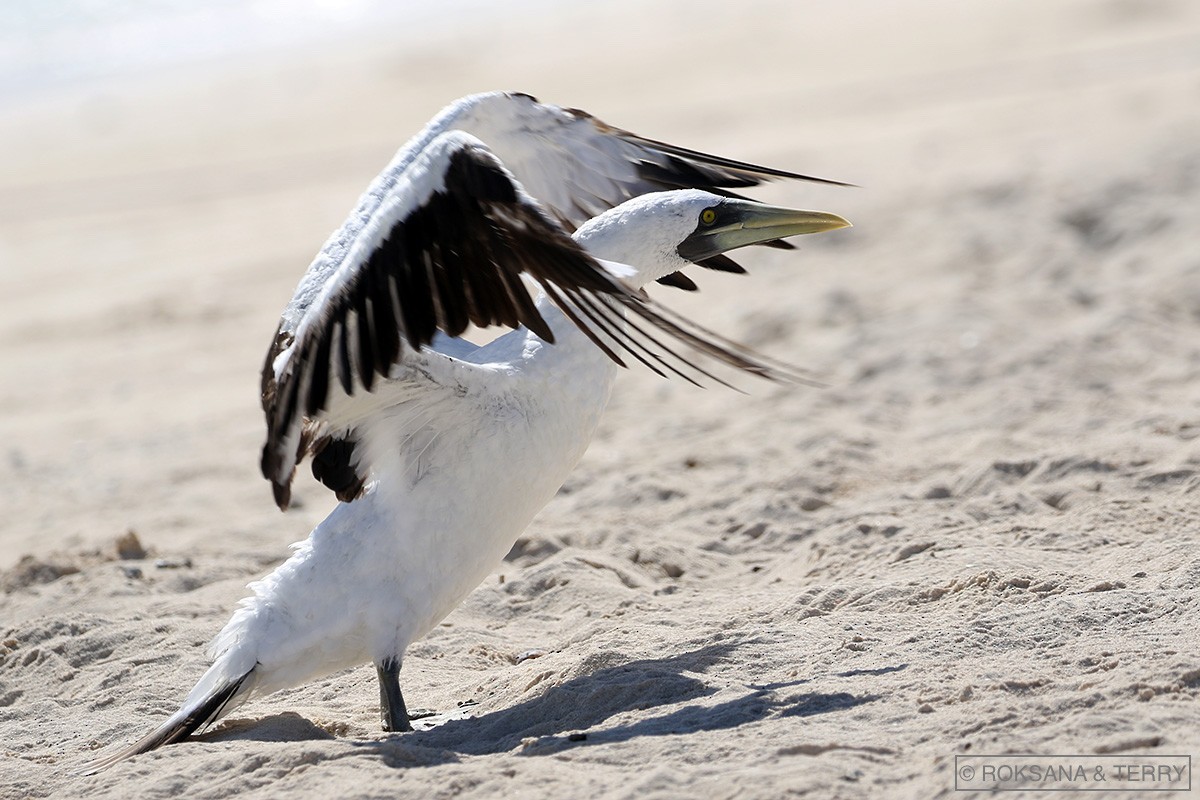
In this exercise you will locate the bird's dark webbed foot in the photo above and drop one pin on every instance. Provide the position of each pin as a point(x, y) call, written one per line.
point(392, 711)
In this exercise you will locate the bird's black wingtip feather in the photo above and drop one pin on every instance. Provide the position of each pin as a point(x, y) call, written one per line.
point(757, 170)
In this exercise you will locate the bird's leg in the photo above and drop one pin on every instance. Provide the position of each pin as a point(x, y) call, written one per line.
point(391, 702)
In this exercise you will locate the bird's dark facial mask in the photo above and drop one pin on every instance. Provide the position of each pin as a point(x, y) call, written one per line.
point(732, 223)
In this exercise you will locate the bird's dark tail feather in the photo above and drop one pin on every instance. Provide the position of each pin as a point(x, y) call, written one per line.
point(197, 712)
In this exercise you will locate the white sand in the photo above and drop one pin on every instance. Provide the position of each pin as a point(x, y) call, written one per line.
point(980, 539)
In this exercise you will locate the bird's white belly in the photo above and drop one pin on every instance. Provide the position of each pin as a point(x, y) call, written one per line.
point(471, 509)
point(383, 570)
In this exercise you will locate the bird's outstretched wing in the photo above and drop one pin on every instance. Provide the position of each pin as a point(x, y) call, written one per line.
point(574, 164)
point(446, 248)
point(579, 166)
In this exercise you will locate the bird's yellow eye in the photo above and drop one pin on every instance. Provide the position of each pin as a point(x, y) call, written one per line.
point(708, 216)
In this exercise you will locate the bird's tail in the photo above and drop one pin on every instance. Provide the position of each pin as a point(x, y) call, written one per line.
point(213, 697)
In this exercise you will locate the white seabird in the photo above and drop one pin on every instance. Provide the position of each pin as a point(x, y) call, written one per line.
point(443, 451)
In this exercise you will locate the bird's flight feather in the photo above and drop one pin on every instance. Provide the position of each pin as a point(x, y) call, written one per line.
point(490, 191)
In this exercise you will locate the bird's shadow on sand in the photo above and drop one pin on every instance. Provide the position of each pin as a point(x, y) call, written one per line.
point(567, 715)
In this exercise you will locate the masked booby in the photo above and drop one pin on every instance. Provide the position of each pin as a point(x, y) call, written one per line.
point(442, 451)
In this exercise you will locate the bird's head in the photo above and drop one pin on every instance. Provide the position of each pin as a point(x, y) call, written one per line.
point(662, 233)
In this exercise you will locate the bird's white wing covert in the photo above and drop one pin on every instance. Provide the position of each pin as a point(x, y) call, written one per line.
point(440, 241)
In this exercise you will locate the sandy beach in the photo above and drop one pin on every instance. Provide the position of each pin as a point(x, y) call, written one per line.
point(980, 538)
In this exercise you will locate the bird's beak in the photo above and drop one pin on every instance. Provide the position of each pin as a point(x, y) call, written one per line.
point(743, 222)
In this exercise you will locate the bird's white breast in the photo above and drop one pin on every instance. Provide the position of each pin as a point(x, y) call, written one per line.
point(383, 570)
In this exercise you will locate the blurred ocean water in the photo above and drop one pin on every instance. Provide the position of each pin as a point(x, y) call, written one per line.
point(51, 43)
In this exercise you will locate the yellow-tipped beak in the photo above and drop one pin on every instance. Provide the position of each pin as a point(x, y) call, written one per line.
point(742, 222)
